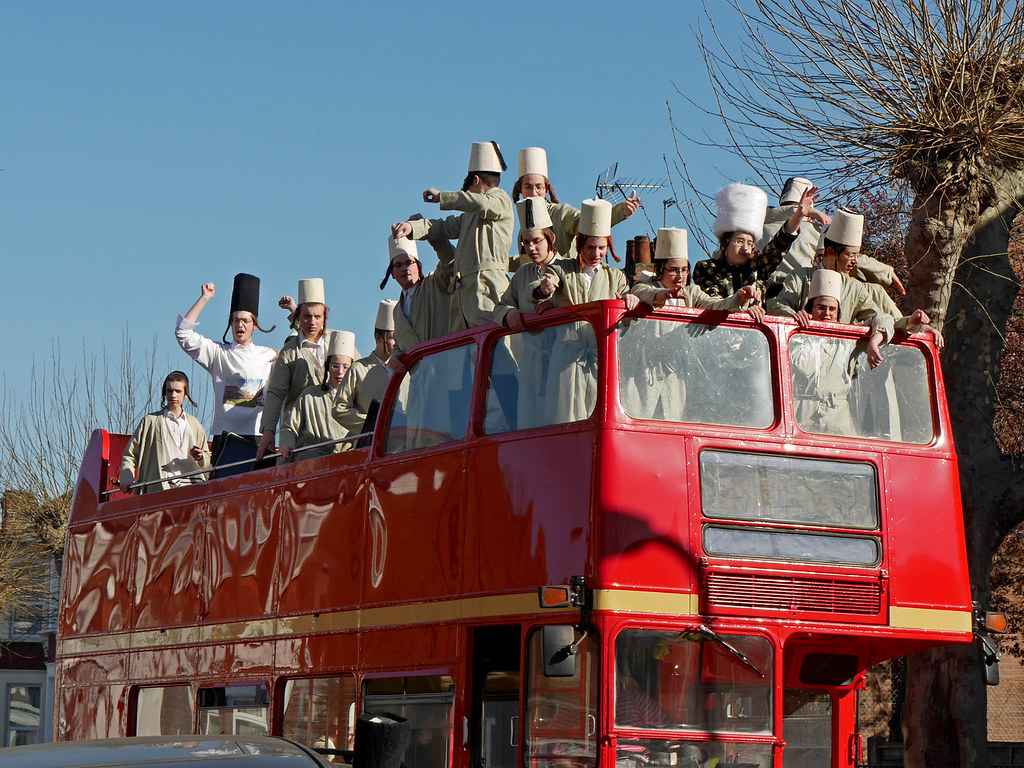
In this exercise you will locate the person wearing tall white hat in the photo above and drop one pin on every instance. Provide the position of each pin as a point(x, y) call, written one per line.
point(484, 232)
point(670, 284)
point(822, 366)
point(310, 420)
point(537, 246)
point(534, 182)
point(423, 309)
point(842, 245)
point(238, 368)
point(572, 372)
point(802, 252)
point(738, 226)
point(300, 363)
point(367, 379)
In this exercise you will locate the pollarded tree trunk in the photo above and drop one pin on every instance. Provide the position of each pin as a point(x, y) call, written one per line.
point(944, 713)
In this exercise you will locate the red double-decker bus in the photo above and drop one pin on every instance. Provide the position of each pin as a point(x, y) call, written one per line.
point(675, 538)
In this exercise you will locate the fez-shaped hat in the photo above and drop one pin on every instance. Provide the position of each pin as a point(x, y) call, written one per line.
point(381, 740)
point(794, 189)
point(311, 291)
point(401, 246)
point(596, 218)
point(533, 214)
point(485, 156)
point(671, 244)
point(741, 208)
point(825, 282)
point(245, 294)
point(342, 343)
point(385, 315)
point(847, 228)
point(533, 160)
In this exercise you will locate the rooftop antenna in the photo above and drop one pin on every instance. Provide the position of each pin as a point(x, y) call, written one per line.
point(615, 190)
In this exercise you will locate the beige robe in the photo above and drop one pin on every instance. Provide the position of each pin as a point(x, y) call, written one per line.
point(801, 252)
point(295, 369)
point(146, 453)
point(484, 232)
point(647, 287)
point(822, 369)
point(430, 306)
point(519, 294)
point(310, 421)
point(364, 382)
point(855, 304)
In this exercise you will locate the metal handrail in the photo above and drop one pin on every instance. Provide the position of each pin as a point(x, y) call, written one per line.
point(241, 463)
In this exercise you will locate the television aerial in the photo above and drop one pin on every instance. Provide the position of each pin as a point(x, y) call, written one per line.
point(615, 190)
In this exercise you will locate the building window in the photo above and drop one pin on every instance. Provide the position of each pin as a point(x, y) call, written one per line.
point(24, 707)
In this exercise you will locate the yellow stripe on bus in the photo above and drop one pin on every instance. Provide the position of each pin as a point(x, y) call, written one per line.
point(930, 618)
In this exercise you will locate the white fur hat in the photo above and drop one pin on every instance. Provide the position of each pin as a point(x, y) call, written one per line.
point(343, 343)
point(311, 291)
point(533, 214)
point(825, 282)
point(486, 156)
point(847, 228)
point(671, 244)
point(794, 189)
point(385, 315)
point(596, 218)
point(741, 208)
point(401, 246)
point(533, 160)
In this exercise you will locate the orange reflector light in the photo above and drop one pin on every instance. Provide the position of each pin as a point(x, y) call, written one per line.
point(995, 622)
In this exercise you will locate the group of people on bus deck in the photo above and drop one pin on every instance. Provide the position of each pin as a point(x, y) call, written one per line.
point(316, 389)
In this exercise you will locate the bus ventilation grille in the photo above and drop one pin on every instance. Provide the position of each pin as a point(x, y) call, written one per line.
point(793, 594)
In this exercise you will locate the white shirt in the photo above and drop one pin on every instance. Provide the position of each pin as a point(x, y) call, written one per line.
point(177, 444)
point(407, 295)
point(317, 348)
point(239, 376)
point(589, 274)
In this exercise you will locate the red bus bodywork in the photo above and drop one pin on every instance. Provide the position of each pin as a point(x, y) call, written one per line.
point(376, 567)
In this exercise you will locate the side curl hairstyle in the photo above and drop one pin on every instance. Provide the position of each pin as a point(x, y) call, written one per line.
point(517, 190)
point(255, 322)
point(175, 376)
point(581, 238)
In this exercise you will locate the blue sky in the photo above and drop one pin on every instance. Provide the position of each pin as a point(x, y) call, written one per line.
point(149, 147)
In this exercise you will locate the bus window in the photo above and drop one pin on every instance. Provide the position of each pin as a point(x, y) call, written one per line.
point(561, 712)
point(696, 373)
point(806, 728)
point(764, 487)
point(426, 702)
point(320, 712)
point(836, 392)
point(163, 711)
point(432, 403)
point(494, 704)
point(234, 709)
point(693, 680)
point(542, 377)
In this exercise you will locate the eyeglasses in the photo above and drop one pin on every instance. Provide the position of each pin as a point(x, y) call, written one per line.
point(677, 271)
point(400, 264)
point(741, 241)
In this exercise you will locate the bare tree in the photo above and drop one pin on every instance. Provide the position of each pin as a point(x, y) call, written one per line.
point(930, 93)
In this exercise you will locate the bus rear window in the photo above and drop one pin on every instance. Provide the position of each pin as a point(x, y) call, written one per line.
point(695, 373)
point(835, 391)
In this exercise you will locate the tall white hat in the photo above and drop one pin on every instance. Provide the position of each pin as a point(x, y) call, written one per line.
point(847, 228)
point(794, 189)
point(533, 214)
point(402, 246)
point(386, 315)
point(311, 291)
point(825, 282)
point(741, 208)
point(343, 343)
point(486, 156)
point(671, 244)
point(596, 218)
point(820, 247)
point(533, 160)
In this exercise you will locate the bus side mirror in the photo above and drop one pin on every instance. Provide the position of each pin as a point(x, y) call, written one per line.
point(559, 651)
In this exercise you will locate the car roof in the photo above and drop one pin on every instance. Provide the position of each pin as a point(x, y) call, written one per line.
point(182, 751)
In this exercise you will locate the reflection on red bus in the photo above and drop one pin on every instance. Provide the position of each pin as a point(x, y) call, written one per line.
point(677, 538)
